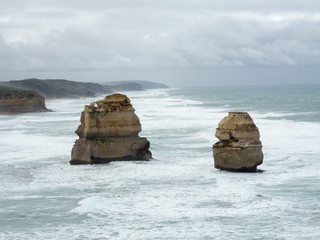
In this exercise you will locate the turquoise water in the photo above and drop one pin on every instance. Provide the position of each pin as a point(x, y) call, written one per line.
point(297, 103)
point(179, 194)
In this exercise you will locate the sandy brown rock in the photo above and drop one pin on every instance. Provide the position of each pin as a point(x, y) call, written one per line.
point(109, 131)
point(239, 148)
point(14, 101)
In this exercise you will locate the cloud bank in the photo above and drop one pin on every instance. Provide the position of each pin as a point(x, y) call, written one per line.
point(124, 34)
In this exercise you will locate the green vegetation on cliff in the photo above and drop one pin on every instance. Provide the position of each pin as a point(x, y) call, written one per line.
point(10, 92)
point(10, 89)
point(59, 88)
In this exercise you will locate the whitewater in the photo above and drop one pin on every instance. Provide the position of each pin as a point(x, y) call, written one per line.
point(179, 194)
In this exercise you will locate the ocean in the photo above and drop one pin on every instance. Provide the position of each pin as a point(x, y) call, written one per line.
point(179, 194)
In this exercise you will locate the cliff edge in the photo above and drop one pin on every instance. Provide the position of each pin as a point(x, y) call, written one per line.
point(14, 100)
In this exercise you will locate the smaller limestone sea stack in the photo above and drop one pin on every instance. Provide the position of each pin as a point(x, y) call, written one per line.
point(239, 148)
point(109, 131)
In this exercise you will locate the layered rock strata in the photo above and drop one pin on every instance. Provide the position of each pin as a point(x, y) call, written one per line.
point(239, 148)
point(109, 131)
point(14, 101)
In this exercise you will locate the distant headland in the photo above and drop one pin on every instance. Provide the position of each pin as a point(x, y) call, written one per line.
point(136, 85)
point(11, 92)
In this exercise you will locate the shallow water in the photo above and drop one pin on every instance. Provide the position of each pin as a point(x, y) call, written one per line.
point(179, 194)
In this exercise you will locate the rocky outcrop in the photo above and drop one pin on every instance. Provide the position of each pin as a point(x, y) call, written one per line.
point(109, 131)
point(239, 148)
point(14, 101)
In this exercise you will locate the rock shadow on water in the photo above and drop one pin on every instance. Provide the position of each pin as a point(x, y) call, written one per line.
point(243, 170)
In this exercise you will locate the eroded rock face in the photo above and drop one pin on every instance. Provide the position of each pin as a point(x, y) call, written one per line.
point(109, 131)
point(13, 101)
point(239, 148)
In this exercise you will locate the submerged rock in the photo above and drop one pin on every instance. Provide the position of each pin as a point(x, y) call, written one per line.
point(109, 131)
point(239, 148)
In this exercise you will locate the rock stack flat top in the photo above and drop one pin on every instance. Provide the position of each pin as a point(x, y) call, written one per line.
point(112, 116)
point(239, 148)
point(109, 131)
point(14, 101)
point(238, 125)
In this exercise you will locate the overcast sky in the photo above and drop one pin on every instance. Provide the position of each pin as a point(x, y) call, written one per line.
point(178, 42)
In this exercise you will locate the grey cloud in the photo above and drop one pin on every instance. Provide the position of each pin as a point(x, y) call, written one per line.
point(219, 5)
point(105, 35)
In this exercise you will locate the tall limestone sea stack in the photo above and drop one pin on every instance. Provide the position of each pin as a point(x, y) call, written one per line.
point(239, 148)
point(109, 131)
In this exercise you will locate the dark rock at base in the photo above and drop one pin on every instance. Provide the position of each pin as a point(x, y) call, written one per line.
point(109, 149)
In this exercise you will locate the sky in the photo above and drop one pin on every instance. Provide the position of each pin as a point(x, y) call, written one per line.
point(177, 42)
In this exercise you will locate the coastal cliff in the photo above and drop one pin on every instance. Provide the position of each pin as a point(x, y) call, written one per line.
point(61, 88)
point(20, 101)
point(239, 148)
point(109, 131)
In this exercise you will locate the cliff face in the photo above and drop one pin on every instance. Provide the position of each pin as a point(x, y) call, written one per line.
point(19, 101)
point(239, 148)
point(109, 131)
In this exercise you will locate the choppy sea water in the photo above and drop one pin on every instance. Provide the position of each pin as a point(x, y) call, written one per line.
point(179, 194)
